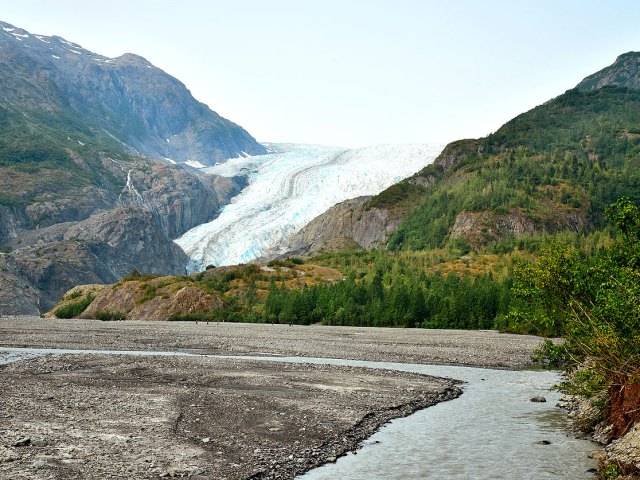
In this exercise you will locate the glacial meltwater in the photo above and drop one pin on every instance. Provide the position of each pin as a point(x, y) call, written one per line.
point(492, 431)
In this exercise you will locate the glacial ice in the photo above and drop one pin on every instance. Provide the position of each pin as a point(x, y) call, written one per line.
point(289, 188)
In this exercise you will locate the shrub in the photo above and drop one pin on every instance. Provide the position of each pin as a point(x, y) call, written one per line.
point(71, 310)
point(106, 315)
point(136, 275)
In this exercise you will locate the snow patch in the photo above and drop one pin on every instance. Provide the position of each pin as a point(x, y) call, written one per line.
point(195, 164)
point(42, 39)
point(170, 160)
point(8, 29)
point(56, 57)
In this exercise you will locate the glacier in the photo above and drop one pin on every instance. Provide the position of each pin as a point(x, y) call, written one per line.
point(290, 187)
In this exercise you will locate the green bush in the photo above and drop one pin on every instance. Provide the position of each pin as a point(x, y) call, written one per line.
point(106, 315)
point(74, 309)
point(593, 302)
point(136, 275)
point(213, 316)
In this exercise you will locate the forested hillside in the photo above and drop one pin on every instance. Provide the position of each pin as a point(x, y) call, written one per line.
point(553, 168)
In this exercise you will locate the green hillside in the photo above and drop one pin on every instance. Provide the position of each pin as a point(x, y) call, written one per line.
point(44, 155)
point(553, 168)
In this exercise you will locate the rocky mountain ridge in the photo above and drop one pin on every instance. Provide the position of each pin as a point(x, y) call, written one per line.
point(624, 72)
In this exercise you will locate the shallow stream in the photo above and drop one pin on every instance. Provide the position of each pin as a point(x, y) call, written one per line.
point(492, 431)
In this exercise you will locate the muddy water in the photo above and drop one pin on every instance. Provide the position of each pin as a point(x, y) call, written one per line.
point(493, 431)
point(490, 432)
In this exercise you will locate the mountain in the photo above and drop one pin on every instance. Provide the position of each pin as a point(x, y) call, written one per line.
point(124, 98)
point(554, 168)
point(90, 149)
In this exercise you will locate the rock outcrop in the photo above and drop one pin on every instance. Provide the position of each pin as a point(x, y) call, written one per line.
point(152, 299)
point(349, 223)
point(481, 228)
point(101, 249)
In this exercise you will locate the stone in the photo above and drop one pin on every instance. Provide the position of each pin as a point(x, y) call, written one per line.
point(39, 442)
point(539, 399)
point(23, 442)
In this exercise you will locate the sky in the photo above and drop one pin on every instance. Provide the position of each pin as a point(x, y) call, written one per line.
point(354, 73)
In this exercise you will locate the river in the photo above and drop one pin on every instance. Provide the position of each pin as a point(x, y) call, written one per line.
point(492, 431)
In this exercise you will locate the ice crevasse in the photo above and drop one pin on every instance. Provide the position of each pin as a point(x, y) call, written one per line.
point(289, 188)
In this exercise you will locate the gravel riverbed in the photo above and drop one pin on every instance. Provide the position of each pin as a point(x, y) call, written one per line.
point(106, 416)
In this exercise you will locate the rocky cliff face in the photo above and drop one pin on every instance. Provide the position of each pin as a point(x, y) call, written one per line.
point(17, 295)
point(482, 228)
point(125, 98)
point(101, 249)
point(180, 199)
point(624, 72)
point(350, 223)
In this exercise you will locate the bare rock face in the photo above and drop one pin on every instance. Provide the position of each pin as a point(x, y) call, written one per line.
point(182, 199)
point(129, 236)
point(480, 228)
point(101, 249)
point(349, 222)
point(17, 295)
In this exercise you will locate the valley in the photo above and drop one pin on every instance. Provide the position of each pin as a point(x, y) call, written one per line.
point(126, 200)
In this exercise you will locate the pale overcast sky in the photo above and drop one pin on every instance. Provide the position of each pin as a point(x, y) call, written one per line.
point(354, 72)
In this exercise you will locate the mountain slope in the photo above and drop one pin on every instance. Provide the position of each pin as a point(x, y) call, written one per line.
point(81, 141)
point(553, 168)
point(125, 99)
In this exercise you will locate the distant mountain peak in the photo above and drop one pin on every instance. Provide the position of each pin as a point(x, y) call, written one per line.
point(624, 72)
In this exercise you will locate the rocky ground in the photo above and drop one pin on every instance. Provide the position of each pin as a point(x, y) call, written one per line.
point(448, 347)
point(130, 416)
point(99, 416)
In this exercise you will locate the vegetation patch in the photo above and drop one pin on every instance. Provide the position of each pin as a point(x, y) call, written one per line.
point(71, 310)
point(593, 302)
point(106, 315)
